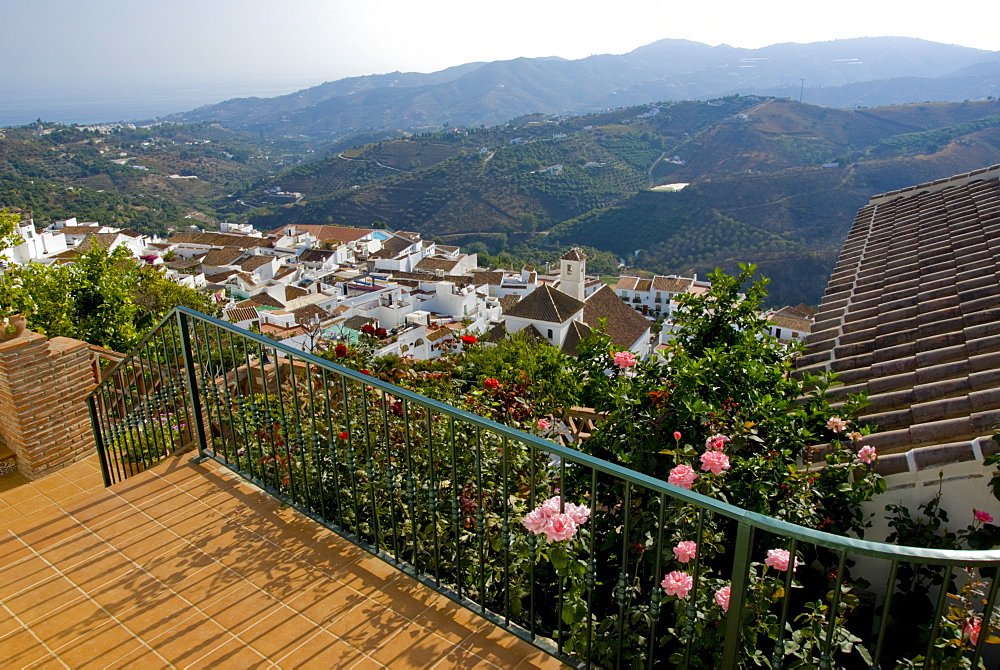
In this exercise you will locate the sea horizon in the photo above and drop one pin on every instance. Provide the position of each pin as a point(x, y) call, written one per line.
point(68, 103)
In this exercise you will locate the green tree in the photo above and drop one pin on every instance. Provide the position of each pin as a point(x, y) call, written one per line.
point(8, 227)
point(104, 298)
point(155, 295)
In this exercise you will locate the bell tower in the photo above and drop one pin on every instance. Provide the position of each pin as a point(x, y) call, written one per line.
point(573, 273)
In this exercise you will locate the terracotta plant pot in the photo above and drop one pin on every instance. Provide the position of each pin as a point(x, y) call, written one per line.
point(13, 327)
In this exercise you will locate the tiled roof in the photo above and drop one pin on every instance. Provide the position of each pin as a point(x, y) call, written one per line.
point(577, 331)
point(103, 240)
point(267, 300)
point(237, 314)
point(440, 334)
point(325, 233)
point(489, 278)
point(391, 248)
point(316, 255)
point(574, 254)
point(672, 284)
point(627, 283)
point(509, 301)
point(644, 285)
point(308, 312)
point(293, 292)
point(624, 324)
point(790, 322)
point(436, 263)
point(80, 230)
point(912, 314)
point(546, 304)
point(800, 311)
point(219, 277)
point(254, 262)
point(356, 322)
point(531, 331)
point(224, 256)
point(221, 240)
point(181, 264)
point(497, 333)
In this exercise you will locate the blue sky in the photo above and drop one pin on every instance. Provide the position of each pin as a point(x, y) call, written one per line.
point(67, 48)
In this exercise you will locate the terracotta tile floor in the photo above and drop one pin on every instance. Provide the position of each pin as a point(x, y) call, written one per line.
point(188, 566)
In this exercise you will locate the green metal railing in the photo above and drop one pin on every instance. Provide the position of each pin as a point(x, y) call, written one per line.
point(441, 494)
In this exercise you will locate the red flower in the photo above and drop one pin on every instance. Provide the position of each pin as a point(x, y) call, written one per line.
point(343, 435)
point(340, 350)
point(491, 383)
point(368, 329)
point(365, 371)
point(381, 333)
point(469, 339)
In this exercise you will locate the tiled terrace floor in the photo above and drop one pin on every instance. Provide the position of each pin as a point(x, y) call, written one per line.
point(187, 566)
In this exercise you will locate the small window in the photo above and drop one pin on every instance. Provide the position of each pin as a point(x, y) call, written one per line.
point(550, 333)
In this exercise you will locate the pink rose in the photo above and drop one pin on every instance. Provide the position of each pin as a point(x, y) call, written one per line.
point(683, 476)
point(714, 461)
point(579, 513)
point(536, 520)
point(543, 424)
point(779, 558)
point(717, 442)
point(686, 550)
point(560, 527)
point(677, 434)
point(722, 598)
point(855, 435)
point(625, 359)
point(867, 454)
point(677, 583)
point(984, 517)
point(972, 628)
point(836, 424)
point(551, 506)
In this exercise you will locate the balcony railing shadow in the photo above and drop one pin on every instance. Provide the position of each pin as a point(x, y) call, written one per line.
point(453, 500)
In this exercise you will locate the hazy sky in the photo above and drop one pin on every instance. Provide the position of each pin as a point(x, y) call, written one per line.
point(91, 60)
point(59, 40)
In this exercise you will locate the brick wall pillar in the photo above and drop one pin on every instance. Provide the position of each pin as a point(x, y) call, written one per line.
point(44, 419)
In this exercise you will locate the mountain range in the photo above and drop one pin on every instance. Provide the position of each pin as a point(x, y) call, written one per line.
point(488, 156)
point(841, 73)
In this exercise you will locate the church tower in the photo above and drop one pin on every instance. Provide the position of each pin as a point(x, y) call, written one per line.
point(573, 273)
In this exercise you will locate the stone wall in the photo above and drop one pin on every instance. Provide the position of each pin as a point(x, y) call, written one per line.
point(44, 418)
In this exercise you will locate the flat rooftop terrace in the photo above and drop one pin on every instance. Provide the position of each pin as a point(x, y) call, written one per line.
point(189, 566)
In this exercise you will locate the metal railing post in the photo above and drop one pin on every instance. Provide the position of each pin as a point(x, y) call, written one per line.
point(99, 441)
point(741, 570)
point(192, 384)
